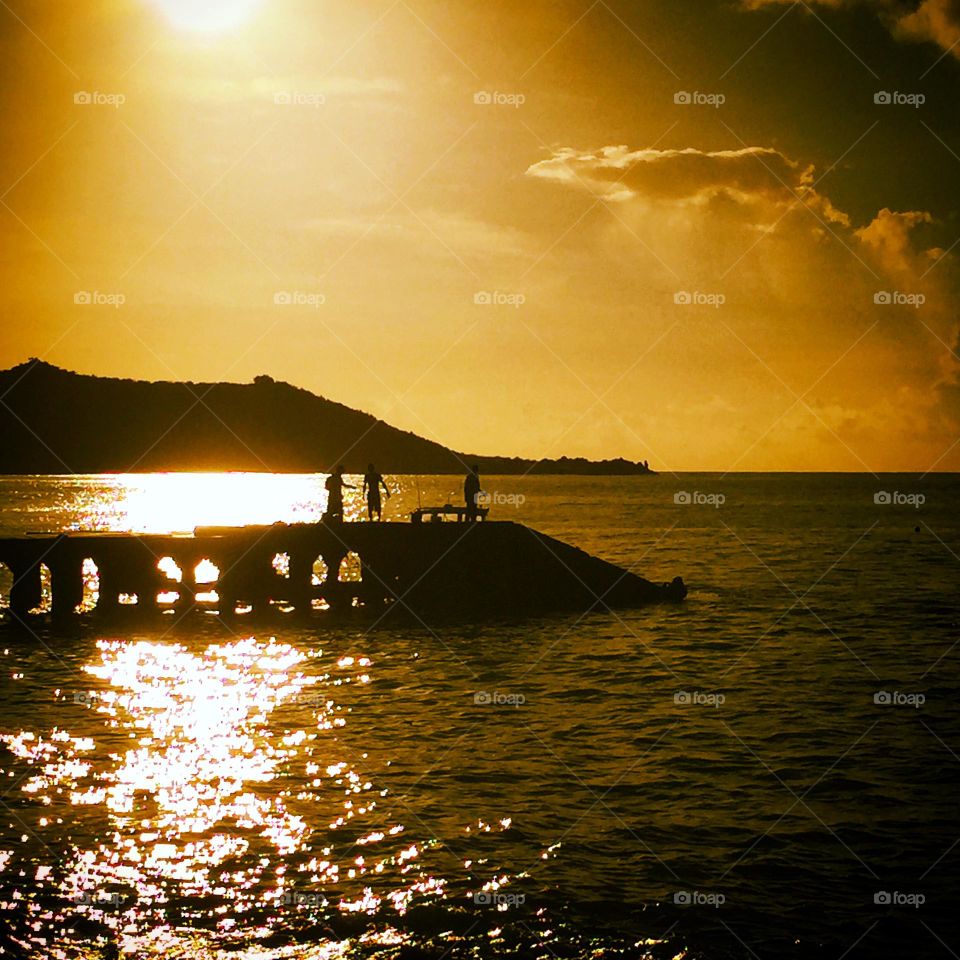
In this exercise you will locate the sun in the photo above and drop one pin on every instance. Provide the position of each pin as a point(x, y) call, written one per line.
point(207, 16)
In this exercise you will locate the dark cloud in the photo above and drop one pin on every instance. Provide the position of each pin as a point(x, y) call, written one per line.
point(934, 21)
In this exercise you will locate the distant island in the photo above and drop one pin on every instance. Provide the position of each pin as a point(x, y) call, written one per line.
point(56, 421)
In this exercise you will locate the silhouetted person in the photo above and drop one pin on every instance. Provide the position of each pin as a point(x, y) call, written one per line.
point(335, 487)
point(372, 482)
point(471, 490)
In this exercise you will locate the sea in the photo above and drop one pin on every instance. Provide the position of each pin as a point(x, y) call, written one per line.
point(766, 770)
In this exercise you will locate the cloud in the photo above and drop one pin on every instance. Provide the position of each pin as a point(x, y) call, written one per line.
point(759, 4)
point(889, 237)
point(801, 316)
point(933, 21)
point(753, 176)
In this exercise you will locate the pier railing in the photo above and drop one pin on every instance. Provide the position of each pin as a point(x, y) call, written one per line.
point(483, 568)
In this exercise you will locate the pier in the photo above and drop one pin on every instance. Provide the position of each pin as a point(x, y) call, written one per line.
point(481, 570)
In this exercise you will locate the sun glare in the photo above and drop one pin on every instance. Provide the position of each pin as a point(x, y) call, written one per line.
point(207, 16)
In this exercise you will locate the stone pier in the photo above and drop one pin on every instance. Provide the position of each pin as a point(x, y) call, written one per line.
point(479, 570)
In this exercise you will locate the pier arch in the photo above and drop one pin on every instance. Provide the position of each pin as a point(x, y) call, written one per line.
point(206, 572)
point(320, 583)
point(90, 585)
point(351, 569)
point(170, 581)
point(170, 569)
point(6, 584)
point(46, 591)
point(206, 576)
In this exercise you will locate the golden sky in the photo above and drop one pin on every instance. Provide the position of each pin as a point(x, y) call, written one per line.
point(716, 234)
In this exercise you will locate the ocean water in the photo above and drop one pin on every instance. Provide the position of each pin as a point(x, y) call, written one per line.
point(767, 770)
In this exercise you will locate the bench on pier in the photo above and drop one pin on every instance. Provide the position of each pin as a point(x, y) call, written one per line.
point(437, 514)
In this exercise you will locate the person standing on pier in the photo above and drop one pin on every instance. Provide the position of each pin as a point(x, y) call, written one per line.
point(372, 481)
point(471, 490)
point(335, 487)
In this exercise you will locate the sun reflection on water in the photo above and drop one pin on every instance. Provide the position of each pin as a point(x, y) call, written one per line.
point(178, 502)
point(214, 791)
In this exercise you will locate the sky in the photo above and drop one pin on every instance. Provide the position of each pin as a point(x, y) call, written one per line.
point(714, 234)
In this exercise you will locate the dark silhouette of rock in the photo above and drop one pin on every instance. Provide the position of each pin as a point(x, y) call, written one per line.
point(56, 421)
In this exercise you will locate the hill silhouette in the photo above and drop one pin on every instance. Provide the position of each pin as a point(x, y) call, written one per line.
point(55, 421)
